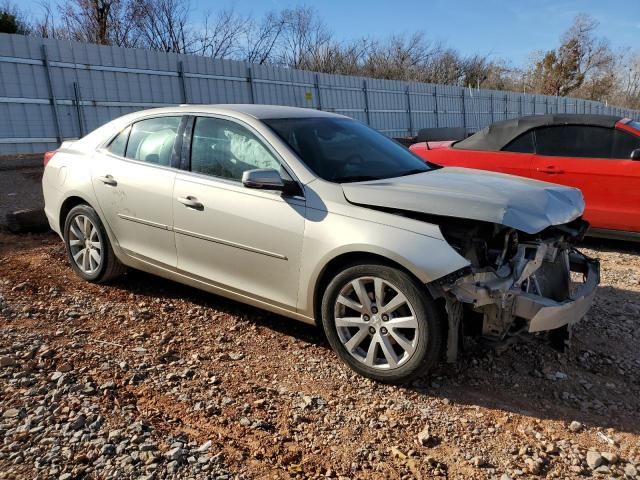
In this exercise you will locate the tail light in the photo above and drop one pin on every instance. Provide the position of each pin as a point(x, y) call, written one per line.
point(48, 156)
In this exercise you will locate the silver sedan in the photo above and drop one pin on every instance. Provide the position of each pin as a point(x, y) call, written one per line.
point(319, 218)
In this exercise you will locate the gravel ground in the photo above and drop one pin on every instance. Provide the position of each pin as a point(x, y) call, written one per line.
point(148, 378)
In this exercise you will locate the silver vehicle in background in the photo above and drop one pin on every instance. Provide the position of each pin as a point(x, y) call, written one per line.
point(319, 218)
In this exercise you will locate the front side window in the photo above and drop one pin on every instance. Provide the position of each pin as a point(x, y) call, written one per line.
point(522, 144)
point(574, 141)
point(221, 148)
point(343, 150)
point(152, 140)
point(623, 144)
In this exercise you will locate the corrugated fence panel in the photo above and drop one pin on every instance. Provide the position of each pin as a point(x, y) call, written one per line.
point(92, 84)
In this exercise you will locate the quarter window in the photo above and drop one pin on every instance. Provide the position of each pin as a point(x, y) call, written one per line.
point(152, 140)
point(221, 148)
point(119, 144)
point(574, 141)
point(522, 144)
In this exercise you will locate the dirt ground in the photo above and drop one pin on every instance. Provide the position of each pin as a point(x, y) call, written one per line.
point(148, 378)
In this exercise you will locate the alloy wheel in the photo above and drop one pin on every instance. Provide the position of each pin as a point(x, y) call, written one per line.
point(85, 244)
point(376, 323)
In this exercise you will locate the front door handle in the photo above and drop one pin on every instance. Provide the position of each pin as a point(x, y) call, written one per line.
point(191, 202)
point(551, 169)
point(108, 180)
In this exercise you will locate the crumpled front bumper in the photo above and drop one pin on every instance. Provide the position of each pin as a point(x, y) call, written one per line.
point(504, 298)
point(547, 314)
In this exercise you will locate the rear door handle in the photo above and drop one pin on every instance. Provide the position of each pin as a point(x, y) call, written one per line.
point(191, 202)
point(550, 169)
point(108, 180)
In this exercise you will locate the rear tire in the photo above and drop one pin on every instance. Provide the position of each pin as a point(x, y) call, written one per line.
point(88, 247)
point(382, 323)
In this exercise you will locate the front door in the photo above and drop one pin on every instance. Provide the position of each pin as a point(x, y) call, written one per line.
point(597, 161)
point(133, 181)
point(244, 240)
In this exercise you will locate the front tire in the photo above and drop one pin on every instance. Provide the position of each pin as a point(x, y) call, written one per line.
point(382, 323)
point(88, 247)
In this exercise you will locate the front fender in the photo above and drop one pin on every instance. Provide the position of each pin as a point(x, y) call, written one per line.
point(332, 235)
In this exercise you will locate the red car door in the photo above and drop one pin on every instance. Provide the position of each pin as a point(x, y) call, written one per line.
point(597, 161)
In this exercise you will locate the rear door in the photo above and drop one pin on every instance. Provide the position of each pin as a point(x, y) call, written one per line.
point(597, 161)
point(133, 179)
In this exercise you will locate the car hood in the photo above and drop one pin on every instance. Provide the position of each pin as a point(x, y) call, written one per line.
point(520, 203)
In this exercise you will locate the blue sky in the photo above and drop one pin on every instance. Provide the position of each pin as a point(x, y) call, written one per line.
point(501, 28)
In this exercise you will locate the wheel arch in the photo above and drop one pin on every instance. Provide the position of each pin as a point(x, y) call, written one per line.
point(345, 260)
point(74, 200)
point(67, 205)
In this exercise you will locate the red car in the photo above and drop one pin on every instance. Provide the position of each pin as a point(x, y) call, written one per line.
point(599, 154)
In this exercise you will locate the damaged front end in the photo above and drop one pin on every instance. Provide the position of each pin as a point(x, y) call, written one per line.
point(516, 281)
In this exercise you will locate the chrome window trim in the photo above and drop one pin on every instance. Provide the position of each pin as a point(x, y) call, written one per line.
point(258, 135)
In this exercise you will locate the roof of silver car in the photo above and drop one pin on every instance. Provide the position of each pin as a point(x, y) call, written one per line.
point(260, 111)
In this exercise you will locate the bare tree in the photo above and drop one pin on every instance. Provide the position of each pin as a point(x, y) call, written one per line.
point(304, 36)
point(220, 37)
point(261, 38)
point(163, 25)
point(105, 22)
point(45, 26)
point(402, 58)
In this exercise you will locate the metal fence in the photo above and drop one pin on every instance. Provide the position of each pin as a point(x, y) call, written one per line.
point(51, 90)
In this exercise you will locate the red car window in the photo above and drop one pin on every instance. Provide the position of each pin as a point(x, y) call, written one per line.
point(522, 144)
point(624, 143)
point(574, 141)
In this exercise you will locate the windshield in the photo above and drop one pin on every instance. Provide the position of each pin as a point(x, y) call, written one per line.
point(634, 124)
point(343, 150)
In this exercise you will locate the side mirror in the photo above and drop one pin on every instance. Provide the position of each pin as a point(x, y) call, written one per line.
point(263, 179)
point(635, 155)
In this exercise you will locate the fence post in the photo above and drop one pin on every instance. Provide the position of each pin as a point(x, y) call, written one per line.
point(435, 97)
point(366, 101)
point(52, 96)
point(506, 106)
point(318, 93)
point(183, 84)
point(464, 113)
point(492, 109)
point(409, 112)
point(76, 91)
point(521, 106)
point(252, 94)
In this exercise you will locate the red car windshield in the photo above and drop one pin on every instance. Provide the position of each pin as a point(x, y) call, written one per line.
point(635, 125)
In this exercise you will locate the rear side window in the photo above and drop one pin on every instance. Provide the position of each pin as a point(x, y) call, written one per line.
point(152, 140)
point(624, 143)
point(119, 144)
point(522, 144)
point(574, 141)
